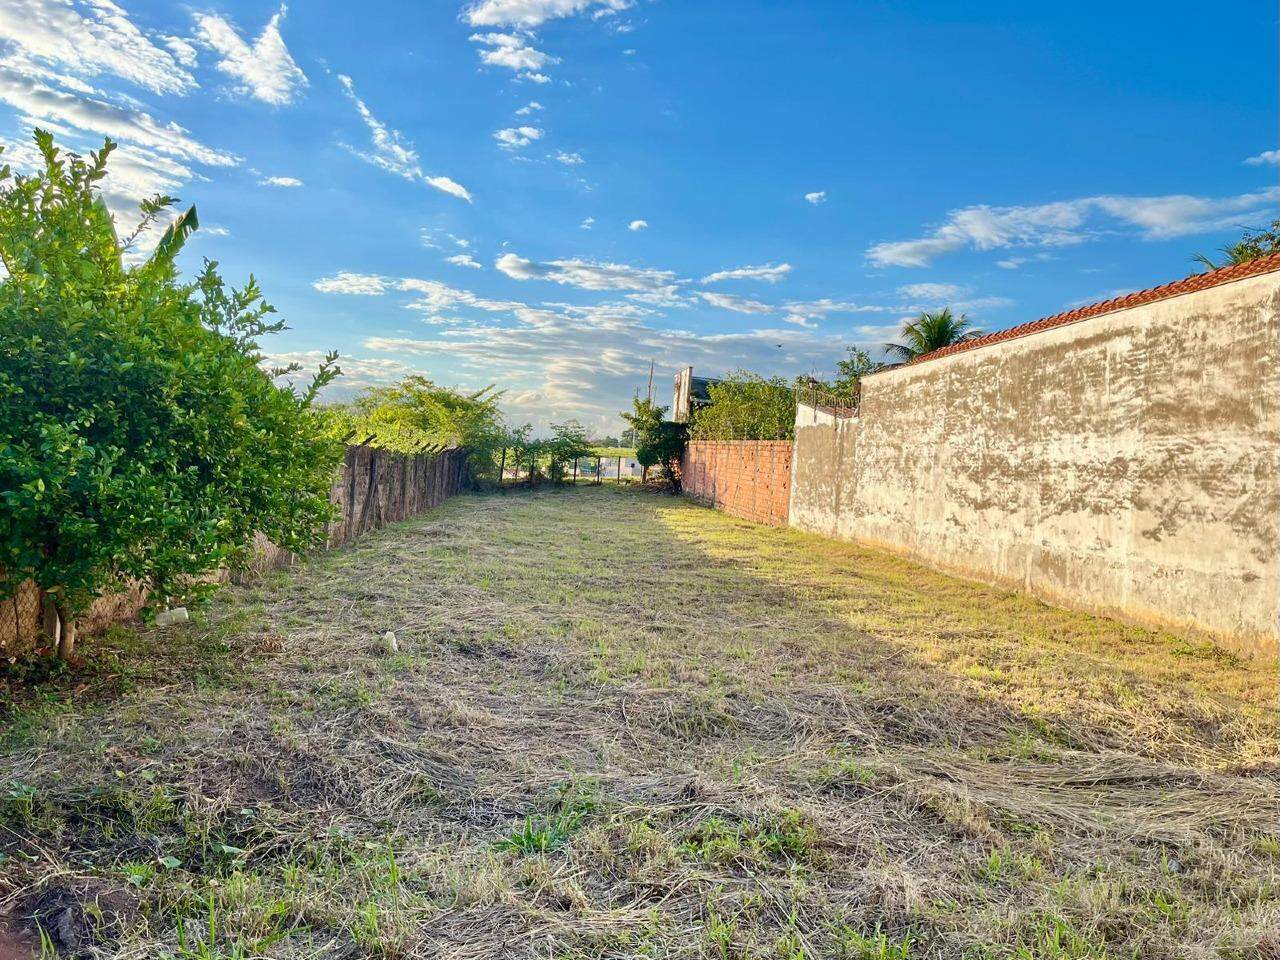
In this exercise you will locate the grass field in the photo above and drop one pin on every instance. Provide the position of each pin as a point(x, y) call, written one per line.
point(620, 725)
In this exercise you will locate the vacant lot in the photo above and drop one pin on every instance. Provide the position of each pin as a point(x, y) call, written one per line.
point(621, 725)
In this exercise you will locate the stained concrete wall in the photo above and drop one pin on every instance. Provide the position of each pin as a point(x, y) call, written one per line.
point(1126, 464)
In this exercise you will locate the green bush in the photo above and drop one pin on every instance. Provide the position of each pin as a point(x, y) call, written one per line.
point(140, 438)
point(746, 406)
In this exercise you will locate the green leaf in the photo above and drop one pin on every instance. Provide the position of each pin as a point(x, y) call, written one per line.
point(176, 235)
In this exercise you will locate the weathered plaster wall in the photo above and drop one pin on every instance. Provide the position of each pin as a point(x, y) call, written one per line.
point(1128, 463)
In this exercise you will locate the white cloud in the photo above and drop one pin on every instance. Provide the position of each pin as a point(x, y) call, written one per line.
point(513, 138)
point(392, 153)
point(1013, 263)
point(533, 13)
point(280, 182)
point(646, 284)
point(558, 361)
point(726, 301)
point(637, 225)
point(817, 197)
point(528, 108)
point(463, 260)
point(1070, 222)
point(588, 223)
point(769, 273)
point(433, 296)
point(514, 53)
point(93, 38)
point(34, 99)
point(265, 70)
point(804, 313)
point(357, 372)
point(932, 291)
point(182, 51)
point(1267, 157)
point(569, 159)
point(364, 284)
point(983, 303)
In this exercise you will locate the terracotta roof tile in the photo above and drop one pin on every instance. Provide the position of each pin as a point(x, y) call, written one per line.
point(1200, 281)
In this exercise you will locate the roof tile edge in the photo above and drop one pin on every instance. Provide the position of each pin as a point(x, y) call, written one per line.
point(1192, 284)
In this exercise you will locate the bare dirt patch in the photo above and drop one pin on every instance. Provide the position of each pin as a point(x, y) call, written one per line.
point(621, 725)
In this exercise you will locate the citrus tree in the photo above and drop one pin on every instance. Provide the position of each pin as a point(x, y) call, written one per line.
point(419, 416)
point(141, 440)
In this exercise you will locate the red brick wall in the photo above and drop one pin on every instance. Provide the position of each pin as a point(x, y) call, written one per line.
point(747, 478)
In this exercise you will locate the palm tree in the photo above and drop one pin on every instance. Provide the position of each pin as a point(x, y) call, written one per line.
point(1254, 244)
point(931, 331)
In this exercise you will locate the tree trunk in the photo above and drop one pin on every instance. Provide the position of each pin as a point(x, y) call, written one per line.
point(67, 638)
point(502, 468)
point(48, 616)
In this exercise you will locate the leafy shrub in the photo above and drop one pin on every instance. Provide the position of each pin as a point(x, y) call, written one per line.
point(140, 438)
point(658, 442)
point(746, 406)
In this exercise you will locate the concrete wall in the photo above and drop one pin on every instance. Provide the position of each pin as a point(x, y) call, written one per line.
point(747, 478)
point(1128, 463)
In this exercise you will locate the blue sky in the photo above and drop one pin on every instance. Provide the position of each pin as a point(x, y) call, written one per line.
point(548, 194)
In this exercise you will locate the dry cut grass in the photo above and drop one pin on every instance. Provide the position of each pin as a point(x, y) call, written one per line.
point(621, 725)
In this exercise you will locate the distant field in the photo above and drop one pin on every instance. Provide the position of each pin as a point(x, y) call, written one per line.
point(620, 725)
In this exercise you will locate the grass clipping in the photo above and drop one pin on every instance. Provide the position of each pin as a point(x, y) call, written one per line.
point(620, 725)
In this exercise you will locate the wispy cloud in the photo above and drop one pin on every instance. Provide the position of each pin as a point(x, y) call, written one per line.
point(528, 108)
point(769, 273)
point(1267, 157)
point(645, 284)
point(280, 182)
point(264, 70)
point(1068, 222)
point(93, 38)
point(727, 301)
point(392, 153)
point(35, 99)
point(569, 159)
point(534, 13)
point(637, 225)
point(432, 296)
point(933, 291)
point(817, 197)
point(362, 284)
point(464, 260)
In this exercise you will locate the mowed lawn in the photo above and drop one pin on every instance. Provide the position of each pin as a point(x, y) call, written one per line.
point(623, 725)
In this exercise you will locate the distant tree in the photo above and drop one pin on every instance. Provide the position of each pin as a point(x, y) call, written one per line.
point(142, 440)
point(847, 385)
point(663, 447)
point(645, 418)
point(746, 406)
point(419, 416)
point(568, 443)
point(1254, 244)
point(931, 331)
